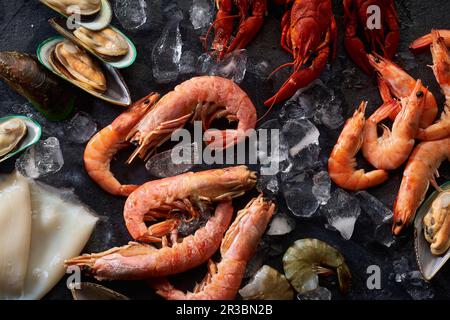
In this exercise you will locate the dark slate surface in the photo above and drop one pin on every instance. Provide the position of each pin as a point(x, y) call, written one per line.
point(23, 25)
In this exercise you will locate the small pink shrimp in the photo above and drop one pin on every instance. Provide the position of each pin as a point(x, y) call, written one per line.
point(393, 148)
point(441, 70)
point(420, 171)
point(394, 82)
point(422, 43)
point(108, 141)
point(342, 162)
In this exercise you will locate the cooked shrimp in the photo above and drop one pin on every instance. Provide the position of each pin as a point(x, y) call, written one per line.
point(240, 241)
point(205, 98)
point(184, 193)
point(441, 70)
point(419, 173)
point(108, 141)
point(308, 258)
point(425, 41)
point(342, 162)
point(394, 82)
point(393, 148)
point(139, 261)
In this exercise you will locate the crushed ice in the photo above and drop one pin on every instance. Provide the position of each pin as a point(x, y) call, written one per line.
point(42, 159)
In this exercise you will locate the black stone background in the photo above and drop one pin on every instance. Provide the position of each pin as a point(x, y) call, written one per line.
point(23, 25)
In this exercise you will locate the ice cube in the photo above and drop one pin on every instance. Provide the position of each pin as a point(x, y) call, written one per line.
point(327, 103)
point(351, 78)
point(316, 102)
point(411, 280)
point(260, 68)
point(132, 14)
point(341, 211)
point(330, 114)
point(301, 139)
point(321, 187)
point(307, 158)
point(281, 224)
point(380, 215)
point(417, 287)
point(297, 191)
point(187, 62)
point(173, 162)
point(205, 63)
point(299, 134)
point(400, 267)
point(42, 159)
point(272, 151)
point(201, 13)
point(268, 184)
point(319, 293)
point(166, 53)
point(233, 66)
point(80, 128)
point(299, 107)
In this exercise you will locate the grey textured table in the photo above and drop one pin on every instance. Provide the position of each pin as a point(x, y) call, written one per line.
point(23, 25)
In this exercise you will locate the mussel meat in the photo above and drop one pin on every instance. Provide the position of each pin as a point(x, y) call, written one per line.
point(12, 132)
point(437, 224)
point(106, 43)
point(85, 7)
point(43, 89)
point(76, 64)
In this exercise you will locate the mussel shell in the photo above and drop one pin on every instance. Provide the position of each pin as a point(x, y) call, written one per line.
point(33, 134)
point(87, 7)
point(92, 291)
point(25, 75)
point(60, 25)
point(96, 21)
point(77, 65)
point(116, 92)
point(429, 264)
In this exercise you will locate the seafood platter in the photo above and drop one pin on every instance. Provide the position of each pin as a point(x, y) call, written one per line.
point(337, 115)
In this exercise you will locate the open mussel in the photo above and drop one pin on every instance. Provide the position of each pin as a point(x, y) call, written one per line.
point(82, 70)
point(16, 134)
point(109, 45)
point(437, 224)
point(26, 76)
point(92, 14)
point(77, 65)
point(432, 232)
